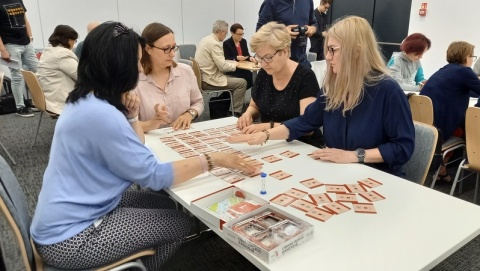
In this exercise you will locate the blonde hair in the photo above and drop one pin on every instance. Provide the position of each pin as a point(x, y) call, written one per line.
point(272, 34)
point(458, 51)
point(361, 63)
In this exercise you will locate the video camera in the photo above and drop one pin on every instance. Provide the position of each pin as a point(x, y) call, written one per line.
point(302, 38)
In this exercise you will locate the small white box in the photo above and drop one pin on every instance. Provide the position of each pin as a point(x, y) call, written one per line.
point(282, 249)
point(202, 204)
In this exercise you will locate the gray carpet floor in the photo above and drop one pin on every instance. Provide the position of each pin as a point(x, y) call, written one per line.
point(209, 252)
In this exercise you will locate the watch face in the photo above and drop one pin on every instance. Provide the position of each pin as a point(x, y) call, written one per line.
point(360, 152)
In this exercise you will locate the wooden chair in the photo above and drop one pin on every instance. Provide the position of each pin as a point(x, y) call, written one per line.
point(13, 208)
point(472, 162)
point(38, 98)
point(2, 74)
point(209, 92)
point(320, 70)
point(426, 137)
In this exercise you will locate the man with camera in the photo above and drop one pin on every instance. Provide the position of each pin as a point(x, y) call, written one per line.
point(317, 40)
point(299, 18)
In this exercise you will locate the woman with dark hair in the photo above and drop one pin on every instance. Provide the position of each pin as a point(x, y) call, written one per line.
point(168, 91)
point(57, 68)
point(405, 66)
point(235, 48)
point(86, 216)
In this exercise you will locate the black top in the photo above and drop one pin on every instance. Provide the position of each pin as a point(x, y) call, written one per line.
point(230, 50)
point(283, 105)
point(317, 40)
point(12, 22)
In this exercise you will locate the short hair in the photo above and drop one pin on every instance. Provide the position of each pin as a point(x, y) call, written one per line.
point(235, 27)
point(324, 2)
point(361, 63)
point(109, 64)
point(92, 25)
point(62, 34)
point(458, 51)
point(272, 34)
point(219, 25)
point(150, 34)
point(415, 43)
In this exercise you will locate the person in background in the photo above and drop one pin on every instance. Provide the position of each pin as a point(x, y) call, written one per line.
point(57, 68)
point(405, 66)
point(295, 15)
point(86, 216)
point(211, 59)
point(16, 44)
point(90, 27)
point(449, 88)
point(168, 91)
point(364, 113)
point(317, 39)
point(235, 48)
point(283, 88)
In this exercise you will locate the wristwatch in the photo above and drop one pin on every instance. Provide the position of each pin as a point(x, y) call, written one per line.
point(360, 153)
point(193, 113)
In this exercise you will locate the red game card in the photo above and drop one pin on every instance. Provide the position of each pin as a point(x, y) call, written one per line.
point(271, 158)
point(189, 154)
point(210, 140)
point(198, 145)
point(220, 171)
point(355, 188)
point(168, 139)
point(232, 178)
point(346, 197)
point(370, 183)
point(371, 196)
point(219, 146)
point(174, 144)
point(336, 207)
point(335, 188)
point(280, 175)
point(319, 214)
point(303, 205)
point(365, 208)
point(296, 193)
point(181, 149)
point(320, 198)
point(283, 200)
point(231, 150)
point(203, 150)
point(289, 154)
point(311, 183)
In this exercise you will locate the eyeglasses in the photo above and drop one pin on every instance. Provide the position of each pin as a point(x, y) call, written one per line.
point(241, 34)
point(166, 50)
point(120, 29)
point(267, 58)
point(333, 49)
point(474, 58)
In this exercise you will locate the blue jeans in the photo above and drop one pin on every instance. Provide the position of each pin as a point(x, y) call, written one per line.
point(26, 57)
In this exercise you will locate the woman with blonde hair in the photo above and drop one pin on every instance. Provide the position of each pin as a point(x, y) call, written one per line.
point(282, 89)
point(364, 113)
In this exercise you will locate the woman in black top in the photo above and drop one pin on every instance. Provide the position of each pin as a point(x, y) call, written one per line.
point(235, 48)
point(283, 89)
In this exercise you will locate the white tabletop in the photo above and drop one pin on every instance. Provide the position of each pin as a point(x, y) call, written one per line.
point(415, 227)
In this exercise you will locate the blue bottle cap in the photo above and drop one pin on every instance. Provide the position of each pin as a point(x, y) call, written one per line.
point(263, 192)
point(263, 175)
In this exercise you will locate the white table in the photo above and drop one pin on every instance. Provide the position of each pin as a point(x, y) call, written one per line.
point(415, 227)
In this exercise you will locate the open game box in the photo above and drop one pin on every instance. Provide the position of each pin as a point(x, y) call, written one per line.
point(268, 232)
point(226, 204)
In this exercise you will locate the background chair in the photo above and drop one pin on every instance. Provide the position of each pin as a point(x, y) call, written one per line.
point(472, 162)
point(320, 70)
point(187, 51)
point(1, 144)
point(209, 93)
point(416, 168)
point(15, 216)
point(38, 98)
point(311, 56)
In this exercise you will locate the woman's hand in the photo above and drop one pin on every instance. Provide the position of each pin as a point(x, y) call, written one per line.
point(161, 114)
point(131, 101)
point(244, 120)
point(335, 155)
point(228, 160)
point(255, 128)
point(182, 122)
point(250, 139)
point(241, 58)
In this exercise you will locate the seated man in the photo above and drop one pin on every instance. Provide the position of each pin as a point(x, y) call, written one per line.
point(211, 60)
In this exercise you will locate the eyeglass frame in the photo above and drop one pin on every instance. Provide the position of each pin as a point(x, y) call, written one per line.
point(169, 49)
point(239, 34)
point(332, 49)
point(270, 58)
point(474, 58)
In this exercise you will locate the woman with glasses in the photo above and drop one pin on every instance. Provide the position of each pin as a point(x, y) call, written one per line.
point(57, 68)
point(449, 89)
point(235, 48)
point(86, 216)
point(283, 88)
point(364, 113)
point(168, 90)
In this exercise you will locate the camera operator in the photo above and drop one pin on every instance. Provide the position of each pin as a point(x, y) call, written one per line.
point(299, 18)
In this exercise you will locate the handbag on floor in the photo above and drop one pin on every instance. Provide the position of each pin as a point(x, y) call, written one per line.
point(7, 101)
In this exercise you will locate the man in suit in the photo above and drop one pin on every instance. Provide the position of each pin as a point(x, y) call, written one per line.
point(211, 59)
point(317, 39)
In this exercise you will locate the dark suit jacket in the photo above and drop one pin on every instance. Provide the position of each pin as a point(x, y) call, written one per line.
point(230, 51)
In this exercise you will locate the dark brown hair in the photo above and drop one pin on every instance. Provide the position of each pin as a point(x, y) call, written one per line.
point(62, 34)
point(151, 33)
point(235, 27)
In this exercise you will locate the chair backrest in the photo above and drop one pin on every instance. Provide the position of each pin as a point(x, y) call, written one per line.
point(311, 57)
point(38, 97)
point(197, 72)
point(185, 61)
point(320, 70)
point(2, 74)
point(14, 210)
point(472, 134)
point(422, 108)
point(187, 51)
point(426, 137)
